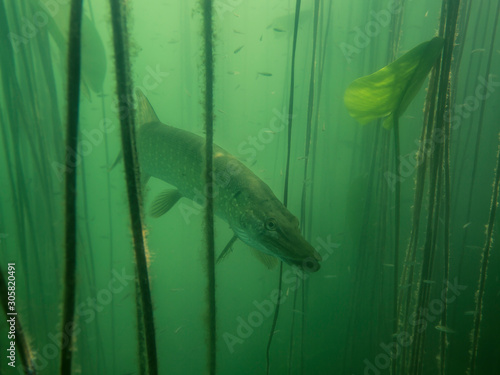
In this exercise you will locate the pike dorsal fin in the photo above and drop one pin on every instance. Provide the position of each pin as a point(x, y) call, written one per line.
point(145, 112)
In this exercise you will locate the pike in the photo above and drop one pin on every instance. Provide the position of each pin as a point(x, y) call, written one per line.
point(242, 199)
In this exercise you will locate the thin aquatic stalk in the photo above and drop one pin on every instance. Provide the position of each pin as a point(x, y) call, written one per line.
point(305, 289)
point(451, 8)
point(397, 220)
point(126, 104)
point(408, 272)
point(318, 96)
point(310, 108)
point(484, 267)
point(292, 336)
point(275, 320)
point(287, 173)
point(290, 103)
point(310, 112)
point(73, 95)
point(447, 215)
point(208, 177)
point(480, 21)
point(479, 130)
point(110, 231)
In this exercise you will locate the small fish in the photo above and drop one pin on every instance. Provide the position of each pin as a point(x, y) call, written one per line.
point(444, 329)
point(233, 72)
point(466, 225)
point(404, 286)
point(477, 50)
point(238, 49)
point(470, 312)
point(238, 32)
point(429, 282)
point(177, 330)
point(278, 30)
point(298, 311)
point(426, 14)
point(177, 289)
point(265, 74)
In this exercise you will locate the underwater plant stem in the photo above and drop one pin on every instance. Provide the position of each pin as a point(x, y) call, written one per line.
point(110, 231)
point(126, 105)
point(484, 266)
point(322, 53)
point(292, 325)
point(451, 8)
point(397, 214)
point(408, 272)
point(479, 130)
point(275, 320)
point(310, 108)
point(290, 102)
point(287, 172)
point(208, 178)
point(447, 214)
point(73, 97)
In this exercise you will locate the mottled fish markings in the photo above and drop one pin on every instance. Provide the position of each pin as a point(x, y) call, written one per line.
point(242, 199)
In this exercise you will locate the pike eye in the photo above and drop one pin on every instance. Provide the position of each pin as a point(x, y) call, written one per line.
point(271, 224)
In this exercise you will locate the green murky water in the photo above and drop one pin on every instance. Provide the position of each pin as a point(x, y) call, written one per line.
point(373, 307)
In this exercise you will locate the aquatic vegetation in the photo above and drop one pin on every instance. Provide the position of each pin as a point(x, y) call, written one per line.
point(388, 92)
point(397, 217)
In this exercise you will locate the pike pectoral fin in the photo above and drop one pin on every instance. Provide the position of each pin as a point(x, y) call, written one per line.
point(267, 260)
point(164, 202)
point(227, 249)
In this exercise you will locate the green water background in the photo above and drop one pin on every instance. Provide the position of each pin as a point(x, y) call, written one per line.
point(347, 312)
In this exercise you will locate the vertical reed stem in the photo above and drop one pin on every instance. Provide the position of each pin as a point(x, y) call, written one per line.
point(287, 174)
point(73, 96)
point(209, 182)
point(397, 214)
point(126, 105)
point(484, 268)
